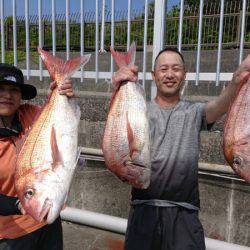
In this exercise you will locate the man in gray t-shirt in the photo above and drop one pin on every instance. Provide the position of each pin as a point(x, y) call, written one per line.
point(174, 134)
point(165, 215)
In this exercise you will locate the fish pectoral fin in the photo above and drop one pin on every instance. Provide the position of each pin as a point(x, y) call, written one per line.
point(56, 157)
point(131, 139)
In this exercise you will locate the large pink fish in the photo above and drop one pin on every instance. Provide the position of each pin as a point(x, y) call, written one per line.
point(237, 132)
point(48, 157)
point(126, 145)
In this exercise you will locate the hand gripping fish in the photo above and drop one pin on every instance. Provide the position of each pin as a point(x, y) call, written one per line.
point(236, 137)
point(48, 157)
point(126, 145)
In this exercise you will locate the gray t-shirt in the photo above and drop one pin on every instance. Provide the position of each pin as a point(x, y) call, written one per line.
point(175, 143)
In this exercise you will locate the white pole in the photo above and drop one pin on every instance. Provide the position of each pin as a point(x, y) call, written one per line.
point(67, 29)
point(159, 32)
point(242, 30)
point(102, 27)
point(198, 60)
point(129, 24)
point(82, 34)
point(27, 38)
point(40, 37)
point(220, 44)
point(53, 12)
point(2, 31)
point(112, 35)
point(145, 43)
point(180, 26)
point(96, 41)
point(14, 32)
point(98, 220)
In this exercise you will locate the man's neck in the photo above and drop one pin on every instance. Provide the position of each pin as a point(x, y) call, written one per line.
point(167, 102)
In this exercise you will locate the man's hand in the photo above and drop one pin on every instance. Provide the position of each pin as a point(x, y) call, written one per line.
point(125, 73)
point(64, 89)
point(243, 71)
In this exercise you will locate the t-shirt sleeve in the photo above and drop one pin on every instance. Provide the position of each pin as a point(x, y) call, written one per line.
point(202, 115)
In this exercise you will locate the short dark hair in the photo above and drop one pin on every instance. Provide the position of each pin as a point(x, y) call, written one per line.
point(174, 50)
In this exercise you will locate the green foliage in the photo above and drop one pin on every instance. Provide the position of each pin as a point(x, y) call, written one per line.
point(192, 2)
point(210, 32)
point(9, 56)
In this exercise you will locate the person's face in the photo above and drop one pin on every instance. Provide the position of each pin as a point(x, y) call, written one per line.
point(10, 99)
point(169, 73)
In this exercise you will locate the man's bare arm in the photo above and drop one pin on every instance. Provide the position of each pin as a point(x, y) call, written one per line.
point(218, 107)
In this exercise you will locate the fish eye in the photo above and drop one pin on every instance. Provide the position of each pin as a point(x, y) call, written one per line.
point(29, 193)
point(237, 161)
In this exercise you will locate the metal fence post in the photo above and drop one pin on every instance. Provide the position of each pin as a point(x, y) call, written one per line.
point(2, 31)
point(238, 29)
point(159, 31)
point(43, 33)
point(7, 28)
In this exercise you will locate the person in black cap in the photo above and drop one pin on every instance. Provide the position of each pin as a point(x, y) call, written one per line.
point(18, 230)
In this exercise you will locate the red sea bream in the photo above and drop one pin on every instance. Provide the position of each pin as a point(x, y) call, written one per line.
point(126, 145)
point(48, 157)
point(237, 132)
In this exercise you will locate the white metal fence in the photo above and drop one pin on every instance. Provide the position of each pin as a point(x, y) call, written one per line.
point(158, 36)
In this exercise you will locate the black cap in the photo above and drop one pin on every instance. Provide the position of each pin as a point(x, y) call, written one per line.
point(14, 76)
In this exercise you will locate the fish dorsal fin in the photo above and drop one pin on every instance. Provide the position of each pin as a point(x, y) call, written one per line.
point(19, 143)
point(124, 59)
point(27, 125)
point(59, 68)
point(54, 148)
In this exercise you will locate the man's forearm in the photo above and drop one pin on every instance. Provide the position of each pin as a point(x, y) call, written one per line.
point(8, 205)
point(216, 108)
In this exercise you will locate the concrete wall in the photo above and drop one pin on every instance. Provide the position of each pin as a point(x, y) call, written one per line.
point(225, 204)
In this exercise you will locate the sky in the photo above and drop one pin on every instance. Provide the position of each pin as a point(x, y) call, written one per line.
point(89, 5)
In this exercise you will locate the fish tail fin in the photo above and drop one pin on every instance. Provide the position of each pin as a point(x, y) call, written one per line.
point(124, 59)
point(59, 68)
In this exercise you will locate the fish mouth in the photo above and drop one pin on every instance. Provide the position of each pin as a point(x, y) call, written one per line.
point(45, 210)
point(136, 164)
point(136, 174)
